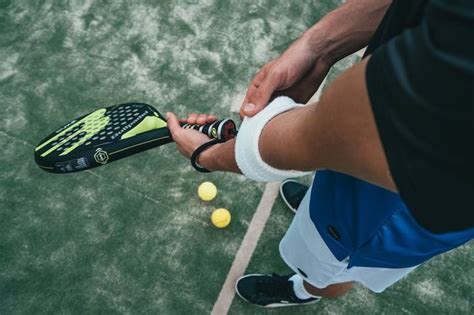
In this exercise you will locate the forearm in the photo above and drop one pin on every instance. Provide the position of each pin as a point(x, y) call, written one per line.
point(346, 29)
point(337, 133)
point(220, 157)
point(279, 142)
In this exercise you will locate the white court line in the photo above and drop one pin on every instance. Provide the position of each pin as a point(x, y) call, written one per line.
point(246, 249)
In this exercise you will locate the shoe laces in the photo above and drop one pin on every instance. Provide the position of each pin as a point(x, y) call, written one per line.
point(275, 286)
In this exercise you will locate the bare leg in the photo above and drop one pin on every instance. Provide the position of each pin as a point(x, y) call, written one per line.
point(331, 291)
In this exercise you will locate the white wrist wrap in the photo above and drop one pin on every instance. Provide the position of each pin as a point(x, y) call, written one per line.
point(247, 153)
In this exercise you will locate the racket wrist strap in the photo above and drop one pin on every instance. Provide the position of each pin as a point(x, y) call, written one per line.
point(199, 150)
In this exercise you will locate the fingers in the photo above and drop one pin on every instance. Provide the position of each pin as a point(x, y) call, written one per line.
point(262, 95)
point(211, 118)
point(265, 83)
point(258, 97)
point(252, 89)
point(192, 118)
point(205, 119)
point(200, 119)
point(173, 125)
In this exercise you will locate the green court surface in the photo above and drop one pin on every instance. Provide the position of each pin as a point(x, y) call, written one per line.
point(133, 237)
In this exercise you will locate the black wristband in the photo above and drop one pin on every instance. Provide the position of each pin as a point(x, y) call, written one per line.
point(198, 151)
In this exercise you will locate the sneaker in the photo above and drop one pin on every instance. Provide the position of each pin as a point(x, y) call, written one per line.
point(269, 291)
point(292, 193)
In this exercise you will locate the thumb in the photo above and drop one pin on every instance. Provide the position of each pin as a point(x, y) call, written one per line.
point(258, 98)
point(173, 124)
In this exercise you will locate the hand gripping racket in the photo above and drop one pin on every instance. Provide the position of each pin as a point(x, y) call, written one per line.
point(112, 133)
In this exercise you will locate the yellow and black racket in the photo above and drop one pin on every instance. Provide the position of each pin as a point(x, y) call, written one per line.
point(112, 133)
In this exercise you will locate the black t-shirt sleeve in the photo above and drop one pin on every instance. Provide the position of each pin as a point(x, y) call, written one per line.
point(421, 87)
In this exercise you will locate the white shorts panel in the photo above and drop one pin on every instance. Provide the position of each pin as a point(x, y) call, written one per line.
point(304, 250)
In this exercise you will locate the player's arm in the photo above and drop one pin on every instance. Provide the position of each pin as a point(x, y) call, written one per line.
point(337, 133)
point(299, 71)
point(346, 29)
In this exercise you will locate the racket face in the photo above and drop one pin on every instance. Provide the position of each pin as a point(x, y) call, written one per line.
point(103, 136)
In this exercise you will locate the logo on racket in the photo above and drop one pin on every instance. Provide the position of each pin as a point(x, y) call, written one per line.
point(214, 133)
point(101, 156)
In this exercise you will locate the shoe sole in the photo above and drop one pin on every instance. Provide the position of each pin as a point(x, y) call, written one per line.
point(283, 196)
point(274, 305)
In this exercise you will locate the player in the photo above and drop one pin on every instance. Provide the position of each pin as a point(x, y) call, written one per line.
point(392, 137)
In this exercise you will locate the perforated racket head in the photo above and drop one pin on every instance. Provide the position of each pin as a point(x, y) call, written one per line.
point(102, 136)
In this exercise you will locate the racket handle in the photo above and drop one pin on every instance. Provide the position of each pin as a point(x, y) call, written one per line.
point(221, 129)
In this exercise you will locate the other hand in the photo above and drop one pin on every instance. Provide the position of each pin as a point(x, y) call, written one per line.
point(297, 73)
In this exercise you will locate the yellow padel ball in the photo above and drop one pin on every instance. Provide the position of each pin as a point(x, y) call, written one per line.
point(220, 218)
point(207, 191)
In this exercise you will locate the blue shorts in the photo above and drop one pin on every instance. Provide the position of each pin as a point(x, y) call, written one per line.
point(304, 250)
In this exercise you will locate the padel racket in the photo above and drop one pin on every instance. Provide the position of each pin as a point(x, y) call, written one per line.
point(112, 133)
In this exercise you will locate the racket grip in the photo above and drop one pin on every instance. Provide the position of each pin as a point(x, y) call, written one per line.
point(221, 129)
